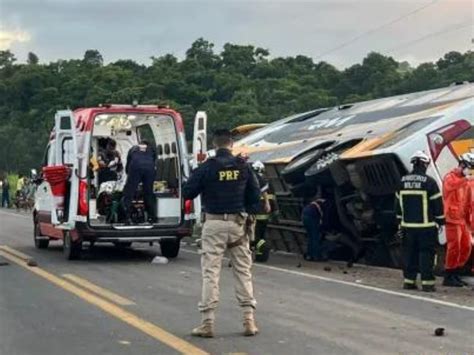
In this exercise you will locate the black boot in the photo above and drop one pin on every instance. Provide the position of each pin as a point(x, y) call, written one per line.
point(458, 277)
point(410, 286)
point(450, 280)
point(428, 288)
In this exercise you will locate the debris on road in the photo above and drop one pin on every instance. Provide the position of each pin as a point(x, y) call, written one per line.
point(299, 265)
point(159, 260)
point(439, 332)
point(4, 263)
point(327, 268)
point(31, 262)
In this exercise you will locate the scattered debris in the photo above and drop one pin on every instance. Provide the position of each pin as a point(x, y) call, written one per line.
point(124, 342)
point(327, 268)
point(358, 281)
point(439, 332)
point(4, 263)
point(345, 272)
point(159, 260)
point(299, 265)
point(230, 264)
point(31, 262)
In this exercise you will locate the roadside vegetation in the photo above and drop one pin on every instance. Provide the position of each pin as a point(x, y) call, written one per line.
point(240, 84)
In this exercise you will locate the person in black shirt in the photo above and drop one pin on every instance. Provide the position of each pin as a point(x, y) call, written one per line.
point(110, 163)
point(140, 168)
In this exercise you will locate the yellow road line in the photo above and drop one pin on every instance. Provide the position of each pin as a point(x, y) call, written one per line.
point(16, 253)
point(99, 290)
point(146, 327)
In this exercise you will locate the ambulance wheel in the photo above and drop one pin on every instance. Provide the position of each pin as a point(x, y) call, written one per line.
point(170, 248)
point(71, 248)
point(39, 243)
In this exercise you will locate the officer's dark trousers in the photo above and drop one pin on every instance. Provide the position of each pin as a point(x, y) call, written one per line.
point(419, 252)
point(312, 227)
point(146, 176)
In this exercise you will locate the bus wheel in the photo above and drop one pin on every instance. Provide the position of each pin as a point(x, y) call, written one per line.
point(71, 248)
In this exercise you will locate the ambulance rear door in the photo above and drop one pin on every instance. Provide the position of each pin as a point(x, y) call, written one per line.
point(66, 154)
point(199, 153)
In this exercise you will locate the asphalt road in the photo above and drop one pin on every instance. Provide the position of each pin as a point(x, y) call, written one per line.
point(116, 302)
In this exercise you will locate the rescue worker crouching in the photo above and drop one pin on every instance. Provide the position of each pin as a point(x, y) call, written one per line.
point(419, 210)
point(458, 211)
point(227, 185)
point(140, 167)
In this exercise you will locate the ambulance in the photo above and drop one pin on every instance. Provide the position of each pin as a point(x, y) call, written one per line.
point(72, 207)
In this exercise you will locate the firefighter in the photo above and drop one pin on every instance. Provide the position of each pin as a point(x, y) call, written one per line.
point(458, 212)
point(227, 185)
point(140, 167)
point(419, 210)
point(260, 214)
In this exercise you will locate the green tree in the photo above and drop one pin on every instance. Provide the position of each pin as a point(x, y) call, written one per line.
point(7, 58)
point(32, 59)
point(92, 57)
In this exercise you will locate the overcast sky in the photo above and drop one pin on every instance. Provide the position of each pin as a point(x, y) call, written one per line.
point(139, 29)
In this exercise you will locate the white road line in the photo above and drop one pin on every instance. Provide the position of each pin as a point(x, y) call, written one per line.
point(348, 283)
point(13, 214)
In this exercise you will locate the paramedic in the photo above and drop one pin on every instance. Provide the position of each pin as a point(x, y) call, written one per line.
point(227, 185)
point(110, 163)
point(419, 210)
point(140, 168)
point(457, 209)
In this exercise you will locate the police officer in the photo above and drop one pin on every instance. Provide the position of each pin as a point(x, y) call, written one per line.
point(140, 167)
point(420, 213)
point(226, 184)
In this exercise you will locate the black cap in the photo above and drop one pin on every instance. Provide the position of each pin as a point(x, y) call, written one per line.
point(222, 133)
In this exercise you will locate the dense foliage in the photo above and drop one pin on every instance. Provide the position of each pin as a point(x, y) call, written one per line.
point(241, 84)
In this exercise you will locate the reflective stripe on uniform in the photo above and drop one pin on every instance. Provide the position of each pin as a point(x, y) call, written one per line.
point(435, 196)
point(440, 217)
point(424, 200)
point(428, 282)
point(408, 281)
point(418, 225)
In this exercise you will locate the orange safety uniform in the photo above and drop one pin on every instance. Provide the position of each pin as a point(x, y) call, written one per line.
point(458, 212)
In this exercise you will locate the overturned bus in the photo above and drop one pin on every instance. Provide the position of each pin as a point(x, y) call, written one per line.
point(354, 155)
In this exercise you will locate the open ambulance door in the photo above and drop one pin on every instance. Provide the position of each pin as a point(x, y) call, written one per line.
point(64, 211)
point(199, 153)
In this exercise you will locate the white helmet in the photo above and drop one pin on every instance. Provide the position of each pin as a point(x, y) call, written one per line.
point(258, 166)
point(421, 156)
point(467, 159)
